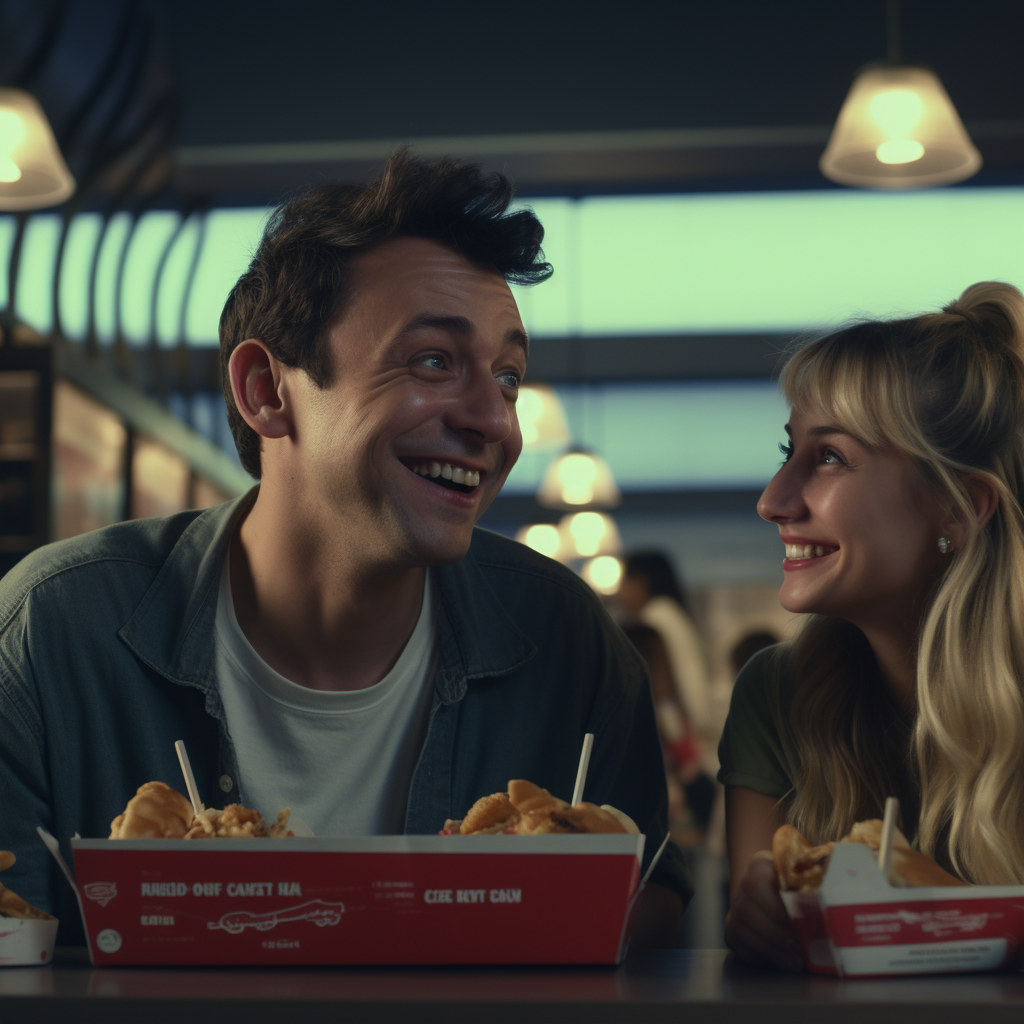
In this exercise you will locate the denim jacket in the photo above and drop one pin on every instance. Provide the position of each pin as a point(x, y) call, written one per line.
point(107, 658)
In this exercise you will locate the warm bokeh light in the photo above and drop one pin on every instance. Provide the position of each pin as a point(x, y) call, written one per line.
point(33, 174)
point(899, 151)
point(579, 478)
point(590, 533)
point(896, 112)
point(542, 537)
point(603, 573)
point(541, 417)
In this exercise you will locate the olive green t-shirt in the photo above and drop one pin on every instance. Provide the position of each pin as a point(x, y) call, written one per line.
point(752, 749)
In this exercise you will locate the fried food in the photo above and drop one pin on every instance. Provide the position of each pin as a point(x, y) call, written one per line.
point(159, 812)
point(527, 809)
point(237, 822)
point(11, 904)
point(801, 867)
point(155, 812)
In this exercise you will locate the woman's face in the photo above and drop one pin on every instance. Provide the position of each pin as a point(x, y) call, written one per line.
point(860, 528)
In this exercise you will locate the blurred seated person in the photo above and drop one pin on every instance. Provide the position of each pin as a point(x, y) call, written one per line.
point(691, 790)
point(652, 593)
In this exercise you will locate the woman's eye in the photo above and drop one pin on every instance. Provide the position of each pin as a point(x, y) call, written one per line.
point(830, 458)
point(787, 451)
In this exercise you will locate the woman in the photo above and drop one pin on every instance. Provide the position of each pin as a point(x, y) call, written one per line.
point(899, 502)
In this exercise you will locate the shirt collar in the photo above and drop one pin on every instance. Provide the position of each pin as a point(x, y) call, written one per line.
point(173, 627)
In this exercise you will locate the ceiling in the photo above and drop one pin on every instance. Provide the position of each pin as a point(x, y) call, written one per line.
point(197, 100)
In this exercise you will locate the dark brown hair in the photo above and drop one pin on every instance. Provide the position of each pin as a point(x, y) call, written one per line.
point(298, 279)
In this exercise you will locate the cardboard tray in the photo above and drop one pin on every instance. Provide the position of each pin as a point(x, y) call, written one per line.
point(558, 899)
point(858, 925)
point(25, 942)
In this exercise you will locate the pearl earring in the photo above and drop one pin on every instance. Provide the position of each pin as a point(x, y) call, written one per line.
point(943, 545)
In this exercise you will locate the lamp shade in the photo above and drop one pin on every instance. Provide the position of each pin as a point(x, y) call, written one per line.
point(33, 174)
point(545, 538)
point(586, 534)
point(898, 129)
point(603, 573)
point(541, 417)
point(578, 479)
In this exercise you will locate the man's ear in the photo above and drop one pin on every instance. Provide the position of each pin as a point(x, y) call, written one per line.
point(984, 495)
point(256, 384)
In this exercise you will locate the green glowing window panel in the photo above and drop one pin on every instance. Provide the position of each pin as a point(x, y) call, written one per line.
point(762, 261)
point(672, 436)
point(146, 247)
point(230, 240)
point(173, 282)
point(73, 288)
point(108, 265)
point(33, 301)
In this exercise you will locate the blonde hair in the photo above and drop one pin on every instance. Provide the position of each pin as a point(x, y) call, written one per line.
point(946, 389)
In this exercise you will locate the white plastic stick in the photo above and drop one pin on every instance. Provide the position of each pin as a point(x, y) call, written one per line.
point(581, 774)
point(190, 780)
point(892, 808)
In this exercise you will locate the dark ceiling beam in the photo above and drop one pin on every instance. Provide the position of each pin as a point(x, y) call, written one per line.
point(576, 162)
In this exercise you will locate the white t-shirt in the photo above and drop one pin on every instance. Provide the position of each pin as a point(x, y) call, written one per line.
point(342, 761)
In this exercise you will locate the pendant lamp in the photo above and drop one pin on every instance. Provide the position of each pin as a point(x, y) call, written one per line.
point(545, 538)
point(898, 127)
point(33, 174)
point(603, 573)
point(541, 418)
point(579, 479)
point(586, 534)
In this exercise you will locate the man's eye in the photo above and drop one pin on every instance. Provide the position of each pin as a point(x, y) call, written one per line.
point(434, 361)
point(510, 379)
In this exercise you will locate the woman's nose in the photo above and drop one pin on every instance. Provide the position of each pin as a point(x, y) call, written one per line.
point(782, 499)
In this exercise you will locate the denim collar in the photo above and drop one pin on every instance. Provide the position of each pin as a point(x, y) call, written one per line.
point(172, 629)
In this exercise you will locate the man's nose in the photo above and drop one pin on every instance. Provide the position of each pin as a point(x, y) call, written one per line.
point(484, 409)
point(782, 500)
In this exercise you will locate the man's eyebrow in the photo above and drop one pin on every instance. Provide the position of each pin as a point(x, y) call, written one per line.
point(461, 325)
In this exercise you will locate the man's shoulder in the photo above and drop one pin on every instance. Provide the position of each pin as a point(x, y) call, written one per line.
point(124, 552)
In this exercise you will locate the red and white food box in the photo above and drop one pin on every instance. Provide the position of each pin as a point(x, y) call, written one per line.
point(25, 942)
point(374, 900)
point(858, 925)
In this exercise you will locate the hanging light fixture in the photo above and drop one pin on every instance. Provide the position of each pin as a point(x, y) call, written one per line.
point(586, 534)
point(579, 479)
point(33, 174)
point(603, 573)
point(898, 128)
point(541, 417)
point(545, 538)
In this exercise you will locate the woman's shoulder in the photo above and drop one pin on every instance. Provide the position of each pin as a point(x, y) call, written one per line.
point(767, 676)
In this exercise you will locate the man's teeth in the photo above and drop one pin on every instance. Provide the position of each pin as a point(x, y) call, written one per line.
point(806, 550)
point(457, 475)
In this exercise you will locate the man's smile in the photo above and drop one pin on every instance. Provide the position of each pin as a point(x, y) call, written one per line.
point(448, 474)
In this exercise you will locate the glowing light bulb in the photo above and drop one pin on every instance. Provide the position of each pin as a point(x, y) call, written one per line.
point(543, 537)
point(577, 474)
point(587, 529)
point(896, 111)
point(603, 573)
point(9, 170)
point(899, 151)
point(12, 131)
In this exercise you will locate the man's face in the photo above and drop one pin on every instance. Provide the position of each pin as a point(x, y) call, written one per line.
point(427, 357)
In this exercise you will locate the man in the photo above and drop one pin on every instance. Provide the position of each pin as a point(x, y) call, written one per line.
point(341, 640)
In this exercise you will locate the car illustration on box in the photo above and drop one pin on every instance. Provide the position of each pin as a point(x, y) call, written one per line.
point(318, 912)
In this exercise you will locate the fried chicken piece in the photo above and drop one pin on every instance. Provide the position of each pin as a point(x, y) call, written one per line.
point(489, 815)
point(799, 865)
point(237, 822)
point(155, 812)
point(11, 904)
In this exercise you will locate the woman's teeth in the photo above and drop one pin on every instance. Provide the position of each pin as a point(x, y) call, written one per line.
point(807, 550)
point(457, 475)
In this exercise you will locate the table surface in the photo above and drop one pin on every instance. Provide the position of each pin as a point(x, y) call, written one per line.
point(651, 985)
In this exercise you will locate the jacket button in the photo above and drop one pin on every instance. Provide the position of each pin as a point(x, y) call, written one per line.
point(226, 783)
